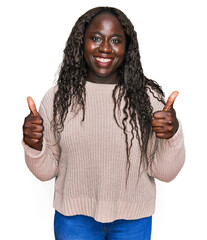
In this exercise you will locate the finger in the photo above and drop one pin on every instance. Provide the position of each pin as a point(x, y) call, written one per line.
point(170, 101)
point(161, 122)
point(161, 115)
point(31, 119)
point(32, 141)
point(164, 135)
point(33, 128)
point(158, 129)
point(164, 129)
point(32, 106)
point(33, 135)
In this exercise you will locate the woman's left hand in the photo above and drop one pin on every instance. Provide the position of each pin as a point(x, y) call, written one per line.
point(165, 123)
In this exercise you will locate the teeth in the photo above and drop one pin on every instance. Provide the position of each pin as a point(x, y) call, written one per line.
point(104, 59)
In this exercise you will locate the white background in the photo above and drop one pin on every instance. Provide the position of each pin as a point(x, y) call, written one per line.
point(172, 37)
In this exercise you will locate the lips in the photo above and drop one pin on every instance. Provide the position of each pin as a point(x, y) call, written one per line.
point(103, 59)
point(103, 62)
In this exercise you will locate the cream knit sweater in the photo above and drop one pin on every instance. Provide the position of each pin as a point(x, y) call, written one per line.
point(91, 170)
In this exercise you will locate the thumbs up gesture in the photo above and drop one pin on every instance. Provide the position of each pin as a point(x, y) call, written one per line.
point(33, 127)
point(165, 123)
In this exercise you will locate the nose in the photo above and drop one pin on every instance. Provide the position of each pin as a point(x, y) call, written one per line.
point(105, 47)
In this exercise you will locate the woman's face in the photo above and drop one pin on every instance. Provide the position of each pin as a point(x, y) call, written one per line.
point(104, 46)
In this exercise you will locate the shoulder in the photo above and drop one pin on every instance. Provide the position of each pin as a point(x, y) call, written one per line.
point(46, 105)
point(156, 99)
point(49, 95)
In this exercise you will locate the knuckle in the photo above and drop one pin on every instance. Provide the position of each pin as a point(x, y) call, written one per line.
point(26, 121)
point(35, 141)
point(159, 135)
point(26, 132)
point(36, 135)
point(168, 116)
point(27, 140)
point(41, 128)
point(40, 136)
point(153, 122)
point(170, 129)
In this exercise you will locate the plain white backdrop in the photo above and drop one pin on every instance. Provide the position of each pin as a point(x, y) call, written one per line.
point(172, 38)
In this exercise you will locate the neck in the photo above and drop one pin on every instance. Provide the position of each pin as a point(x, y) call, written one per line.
point(112, 79)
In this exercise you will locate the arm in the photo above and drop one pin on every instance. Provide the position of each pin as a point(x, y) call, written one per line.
point(166, 156)
point(166, 150)
point(43, 163)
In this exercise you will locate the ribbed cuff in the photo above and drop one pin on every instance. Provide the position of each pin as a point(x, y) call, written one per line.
point(33, 153)
point(177, 137)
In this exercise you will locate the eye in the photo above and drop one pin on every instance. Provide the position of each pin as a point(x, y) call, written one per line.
point(96, 39)
point(115, 41)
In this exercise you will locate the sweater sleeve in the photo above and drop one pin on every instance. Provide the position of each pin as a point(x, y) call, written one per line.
point(43, 164)
point(165, 156)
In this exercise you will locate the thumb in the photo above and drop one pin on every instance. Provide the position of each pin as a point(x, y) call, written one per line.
point(170, 101)
point(32, 106)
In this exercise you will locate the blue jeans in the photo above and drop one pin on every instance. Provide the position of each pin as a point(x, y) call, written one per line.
point(81, 227)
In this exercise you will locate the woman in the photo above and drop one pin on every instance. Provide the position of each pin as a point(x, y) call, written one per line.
point(104, 132)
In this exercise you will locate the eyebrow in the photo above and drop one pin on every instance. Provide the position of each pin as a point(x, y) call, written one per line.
point(115, 35)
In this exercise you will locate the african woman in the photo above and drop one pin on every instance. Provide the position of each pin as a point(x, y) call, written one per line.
point(104, 132)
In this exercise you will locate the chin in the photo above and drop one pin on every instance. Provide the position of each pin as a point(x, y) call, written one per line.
point(104, 73)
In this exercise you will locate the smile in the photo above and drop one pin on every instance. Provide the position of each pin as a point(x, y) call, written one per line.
point(104, 60)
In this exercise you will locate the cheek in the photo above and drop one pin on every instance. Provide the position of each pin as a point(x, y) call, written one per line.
point(89, 47)
point(120, 52)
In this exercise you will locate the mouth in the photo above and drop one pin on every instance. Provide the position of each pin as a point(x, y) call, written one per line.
point(103, 59)
point(103, 62)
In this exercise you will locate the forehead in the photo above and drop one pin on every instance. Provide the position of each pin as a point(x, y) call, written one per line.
point(106, 22)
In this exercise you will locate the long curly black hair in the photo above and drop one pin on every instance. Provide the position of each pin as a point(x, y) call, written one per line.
point(132, 85)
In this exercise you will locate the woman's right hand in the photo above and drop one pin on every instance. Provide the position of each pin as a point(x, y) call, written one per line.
point(33, 127)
